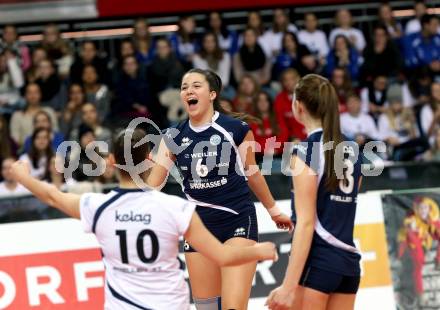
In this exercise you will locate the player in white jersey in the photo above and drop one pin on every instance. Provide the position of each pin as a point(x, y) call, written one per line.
point(138, 230)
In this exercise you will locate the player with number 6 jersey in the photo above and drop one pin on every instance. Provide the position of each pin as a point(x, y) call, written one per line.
point(323, 270)
point(214, 153)
point(138, 230)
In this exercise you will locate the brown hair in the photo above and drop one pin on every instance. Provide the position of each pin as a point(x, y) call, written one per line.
point(215, 84)
point(320, 99)
point(214, 58)
point(138, 152)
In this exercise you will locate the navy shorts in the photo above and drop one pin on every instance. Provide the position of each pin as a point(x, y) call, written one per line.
point(329, 282)
point(225, 225)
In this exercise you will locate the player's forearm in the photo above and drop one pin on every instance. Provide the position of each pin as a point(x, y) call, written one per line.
point(42, 190)
point(259, 187)
point(301, 243)
point(232, 255)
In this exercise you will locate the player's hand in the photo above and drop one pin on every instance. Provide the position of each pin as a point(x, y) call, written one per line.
point(19, 169)
point(283, 222)
point(281, 298)
point(267, 251)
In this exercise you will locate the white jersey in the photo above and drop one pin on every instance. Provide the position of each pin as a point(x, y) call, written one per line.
point(138, 231)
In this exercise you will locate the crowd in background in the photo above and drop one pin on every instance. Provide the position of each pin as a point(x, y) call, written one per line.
point(387, 81)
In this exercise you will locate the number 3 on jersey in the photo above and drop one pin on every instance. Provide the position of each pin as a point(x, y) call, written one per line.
point(346, 185)
point(122, 234)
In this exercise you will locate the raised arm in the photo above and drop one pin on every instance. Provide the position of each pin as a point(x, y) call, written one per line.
point(164, 160)
point(225, 255)
point(257, 183)
point(47, 193)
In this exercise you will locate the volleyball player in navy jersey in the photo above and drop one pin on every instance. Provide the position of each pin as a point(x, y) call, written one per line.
point(323, 270)
point(213, 154)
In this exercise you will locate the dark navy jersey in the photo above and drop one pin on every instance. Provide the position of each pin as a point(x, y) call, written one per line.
point(208, 160)
point(332, 247)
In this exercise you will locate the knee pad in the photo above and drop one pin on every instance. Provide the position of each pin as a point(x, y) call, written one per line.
point(212, 303)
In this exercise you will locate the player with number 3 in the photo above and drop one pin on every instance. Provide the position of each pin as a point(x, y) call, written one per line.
point(323, 270)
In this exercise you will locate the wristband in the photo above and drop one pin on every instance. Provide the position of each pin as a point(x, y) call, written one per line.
point(274, 211)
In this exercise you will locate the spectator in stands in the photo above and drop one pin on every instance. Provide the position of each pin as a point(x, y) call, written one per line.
point(96, 93)
point(419, 87)
point(313, 38)
point(341, 81)
point(381, 57)
point(434, 152)
point(10, 42)
point(374, 96)
point(247, 91)
point(267, 128)
point(144, 47)
point(227, 38)
point(185, 42)
point(71, 117)
point(423, 48)
point(254, 21)
point(57, 49)
point(39, 154)
point(11, 81)
point(133, 95)
point(251, 59)
point(38, 54)
point(86, 137)
point(398, 129)
point(42, 121)
point(414, 25)
point(165, 70)
point(89, 117)
point(343, 55)
point(273, 37)
point(344, 23)
point(53, 92)
point(21, 125)
point(430, 112)
point(88, 56)
point(8, 186)
point(8, 147)
point(356, 124)
point(212, 57)
point(386, 18)
point(126, 48)
point(294, 55)
point(283, 106)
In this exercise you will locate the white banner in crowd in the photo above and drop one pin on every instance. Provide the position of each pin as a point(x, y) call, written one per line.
point(53, 264)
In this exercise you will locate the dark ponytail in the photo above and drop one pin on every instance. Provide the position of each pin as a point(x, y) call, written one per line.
point(321, 101)
point(216, 85)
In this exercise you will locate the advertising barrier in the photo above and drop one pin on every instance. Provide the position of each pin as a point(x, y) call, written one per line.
point(52, 264)
point(413, 234)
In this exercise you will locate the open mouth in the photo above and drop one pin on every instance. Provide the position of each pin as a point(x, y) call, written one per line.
point(193, 101)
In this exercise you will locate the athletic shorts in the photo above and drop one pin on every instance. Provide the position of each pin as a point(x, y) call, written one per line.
point(329, 282)
point(225, 225)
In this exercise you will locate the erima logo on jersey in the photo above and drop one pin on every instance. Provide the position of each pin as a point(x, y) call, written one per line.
point(186, 141)
point(203, 185)
point(240, 232)
point(133, 217)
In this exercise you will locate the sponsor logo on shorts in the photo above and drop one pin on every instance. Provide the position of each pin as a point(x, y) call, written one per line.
point(240, 232)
